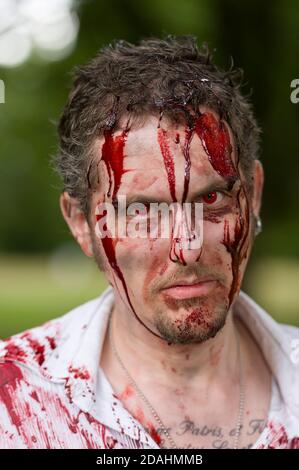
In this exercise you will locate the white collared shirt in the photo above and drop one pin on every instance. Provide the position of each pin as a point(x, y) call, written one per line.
point(54, 394)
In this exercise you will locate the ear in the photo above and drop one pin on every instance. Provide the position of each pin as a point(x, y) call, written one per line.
point(258, 184)
point(76, 220)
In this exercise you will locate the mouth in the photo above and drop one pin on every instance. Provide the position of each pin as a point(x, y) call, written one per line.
point(187, 290)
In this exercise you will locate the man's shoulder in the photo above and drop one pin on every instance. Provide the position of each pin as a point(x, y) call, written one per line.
point(290, 330)
point(33, 346)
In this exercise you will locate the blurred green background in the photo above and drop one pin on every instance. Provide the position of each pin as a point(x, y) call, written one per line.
point(42, 272)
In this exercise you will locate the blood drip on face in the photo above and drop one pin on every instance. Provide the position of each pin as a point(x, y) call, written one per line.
point(168, 161)
point(176, 252)
point(216, 142)
point(189, 131)
point(113, 156)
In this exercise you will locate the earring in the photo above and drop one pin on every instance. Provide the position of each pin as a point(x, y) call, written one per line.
point(258, 225)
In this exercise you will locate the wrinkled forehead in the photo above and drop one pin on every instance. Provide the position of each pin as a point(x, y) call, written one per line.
point(158, 150)
point(159, 147)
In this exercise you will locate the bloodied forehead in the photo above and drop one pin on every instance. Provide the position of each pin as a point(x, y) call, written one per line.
point(165, 160)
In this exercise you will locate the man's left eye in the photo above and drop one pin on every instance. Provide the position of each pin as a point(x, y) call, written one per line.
point(212, 197)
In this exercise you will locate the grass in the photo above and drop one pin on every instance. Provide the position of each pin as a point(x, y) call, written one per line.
point(274, 284)
point(36, 289)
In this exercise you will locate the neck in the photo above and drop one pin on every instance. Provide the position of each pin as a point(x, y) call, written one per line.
point(179, 365)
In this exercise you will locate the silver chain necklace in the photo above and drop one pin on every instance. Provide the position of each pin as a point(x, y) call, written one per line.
point(162, 427)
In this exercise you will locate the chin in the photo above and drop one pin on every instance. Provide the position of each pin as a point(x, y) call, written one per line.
point(194, 326)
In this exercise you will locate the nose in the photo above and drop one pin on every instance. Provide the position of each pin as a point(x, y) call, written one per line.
point(186, 243)
point(179, 253)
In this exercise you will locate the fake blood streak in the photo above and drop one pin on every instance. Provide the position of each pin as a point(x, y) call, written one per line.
point(278, 438)
point(189, 131)
point(168, 161)
point(10, 377)
point(37, 348)
point(169, 166)
point(14, 351)
point(154, 434)
point(235, 247)
point(216, 142)
point(113, 156)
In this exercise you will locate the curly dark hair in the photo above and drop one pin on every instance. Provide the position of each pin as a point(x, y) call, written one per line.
point(170, 74)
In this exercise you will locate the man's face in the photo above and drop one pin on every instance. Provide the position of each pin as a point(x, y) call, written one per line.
point(165, 162)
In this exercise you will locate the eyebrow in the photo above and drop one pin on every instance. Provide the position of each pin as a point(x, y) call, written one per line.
point(226, 185)
point(215, 185)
